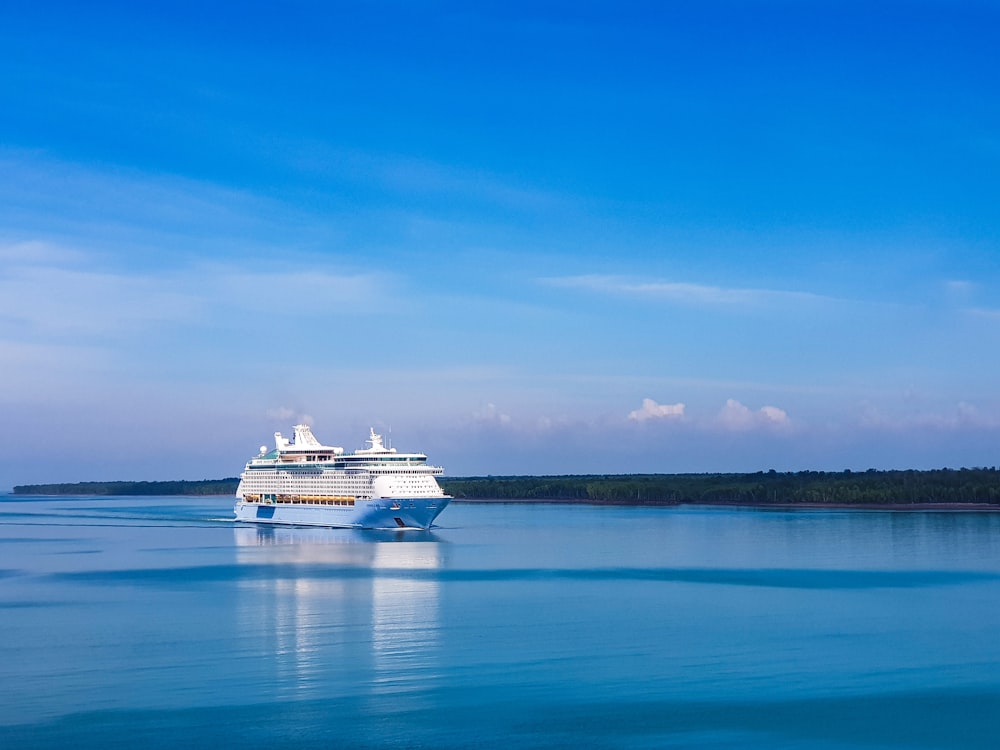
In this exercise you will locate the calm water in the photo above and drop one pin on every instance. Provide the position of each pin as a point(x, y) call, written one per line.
point(157, 622)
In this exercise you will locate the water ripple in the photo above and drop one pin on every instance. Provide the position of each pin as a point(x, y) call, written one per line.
point(760, 577)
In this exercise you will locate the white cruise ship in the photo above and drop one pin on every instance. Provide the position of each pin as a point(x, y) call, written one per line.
point(304, 482)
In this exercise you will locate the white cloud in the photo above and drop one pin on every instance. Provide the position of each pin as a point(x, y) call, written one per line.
point(652, 410)
point(774, 415)
point(735, 416)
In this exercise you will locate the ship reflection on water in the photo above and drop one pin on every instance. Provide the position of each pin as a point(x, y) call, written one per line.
point(330, 604)
point(323, 544)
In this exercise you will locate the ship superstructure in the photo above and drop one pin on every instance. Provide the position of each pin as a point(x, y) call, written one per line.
point(303, 482)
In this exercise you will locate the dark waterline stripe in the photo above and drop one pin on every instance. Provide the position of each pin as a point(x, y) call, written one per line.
point(956, 718)
point(761, 577)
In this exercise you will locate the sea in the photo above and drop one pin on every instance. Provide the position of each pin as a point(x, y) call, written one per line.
point(158, 622)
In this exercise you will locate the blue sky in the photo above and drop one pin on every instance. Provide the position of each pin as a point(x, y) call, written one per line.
point(525, 237)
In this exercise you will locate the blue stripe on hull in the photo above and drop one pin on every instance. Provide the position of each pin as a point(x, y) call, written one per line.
point(380, 514)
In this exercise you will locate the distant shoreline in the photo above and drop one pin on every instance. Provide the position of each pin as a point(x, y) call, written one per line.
point(893, 507)
point(969, 488)
point(936, 489)
point(199, 487)
point(897, 507)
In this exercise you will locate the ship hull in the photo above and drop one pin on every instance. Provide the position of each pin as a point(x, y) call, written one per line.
point(383, 513)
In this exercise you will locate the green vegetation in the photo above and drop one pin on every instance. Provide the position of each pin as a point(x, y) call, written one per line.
point(763, 488)
point(181, 487)
point(871, 487)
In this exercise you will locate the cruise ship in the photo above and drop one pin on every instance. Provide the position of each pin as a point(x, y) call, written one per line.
point(305, 483)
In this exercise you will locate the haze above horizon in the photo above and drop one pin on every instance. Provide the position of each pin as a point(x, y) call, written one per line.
point(523, 238)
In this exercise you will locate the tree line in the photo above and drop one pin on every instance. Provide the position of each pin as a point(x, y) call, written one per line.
point(178, 487)
point(872, 487)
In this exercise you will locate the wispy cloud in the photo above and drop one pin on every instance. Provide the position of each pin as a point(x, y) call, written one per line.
point(130, 212)
point(41, 297)
point(49, 301)
point(491, 415)
point(685, 293)
point(301, 293)
point(418, 178)
point(35, 252)
point(961, 416)
point(35, 362)
point(985, 312)
point(285, 414)
point(960, 287)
